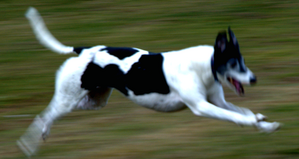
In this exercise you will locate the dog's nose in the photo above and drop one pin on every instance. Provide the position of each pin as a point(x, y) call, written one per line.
point(253, 80)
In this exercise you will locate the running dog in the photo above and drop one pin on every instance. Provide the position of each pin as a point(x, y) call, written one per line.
point(167, 82)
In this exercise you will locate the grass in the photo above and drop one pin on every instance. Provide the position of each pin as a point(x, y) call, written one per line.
point(268, 36)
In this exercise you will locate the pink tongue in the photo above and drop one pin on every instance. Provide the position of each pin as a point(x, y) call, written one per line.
point(237, 85)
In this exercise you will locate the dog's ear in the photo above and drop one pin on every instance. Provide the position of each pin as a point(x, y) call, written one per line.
point(232, 38)
point(221, 42)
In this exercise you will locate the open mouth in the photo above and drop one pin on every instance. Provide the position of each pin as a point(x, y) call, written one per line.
point(238, 86)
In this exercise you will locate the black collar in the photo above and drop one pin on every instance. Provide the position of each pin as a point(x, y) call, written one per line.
point(213, 68)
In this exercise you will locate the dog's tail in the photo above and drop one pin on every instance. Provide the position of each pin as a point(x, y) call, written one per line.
point(43, 35)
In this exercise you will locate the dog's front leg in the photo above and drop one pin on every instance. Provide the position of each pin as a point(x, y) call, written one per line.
point(216, 96)
point(203, 108)
point(198, 104)
point(206, 109)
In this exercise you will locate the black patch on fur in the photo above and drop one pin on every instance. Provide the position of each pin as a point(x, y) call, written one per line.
point(145, 76)
point(110, 76)
point(78, 50)
point(120, 52)
point(213, 69)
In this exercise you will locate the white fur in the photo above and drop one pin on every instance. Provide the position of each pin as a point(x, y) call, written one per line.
point(188, 73)
point(43, 35)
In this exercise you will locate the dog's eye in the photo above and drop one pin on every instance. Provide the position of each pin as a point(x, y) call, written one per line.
point(233, 63)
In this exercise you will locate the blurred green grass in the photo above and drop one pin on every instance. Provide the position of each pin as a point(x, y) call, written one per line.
point(268, 36)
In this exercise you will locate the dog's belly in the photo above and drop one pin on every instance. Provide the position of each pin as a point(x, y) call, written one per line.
point(159, 102)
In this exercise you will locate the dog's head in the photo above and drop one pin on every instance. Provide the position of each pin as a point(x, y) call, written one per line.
point(228, 65)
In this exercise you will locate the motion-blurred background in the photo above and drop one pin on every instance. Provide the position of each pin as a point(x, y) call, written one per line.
point(267, 31)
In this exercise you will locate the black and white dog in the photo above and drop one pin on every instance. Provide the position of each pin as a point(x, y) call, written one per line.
point(166, 82)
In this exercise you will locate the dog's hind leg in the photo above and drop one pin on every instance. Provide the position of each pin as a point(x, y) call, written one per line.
point(68, 93)
point(60, 106)
point(40, 127)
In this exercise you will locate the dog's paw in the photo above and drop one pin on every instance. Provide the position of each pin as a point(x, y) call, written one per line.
point(261, 117)
point(29, 141)
point(268, 127)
